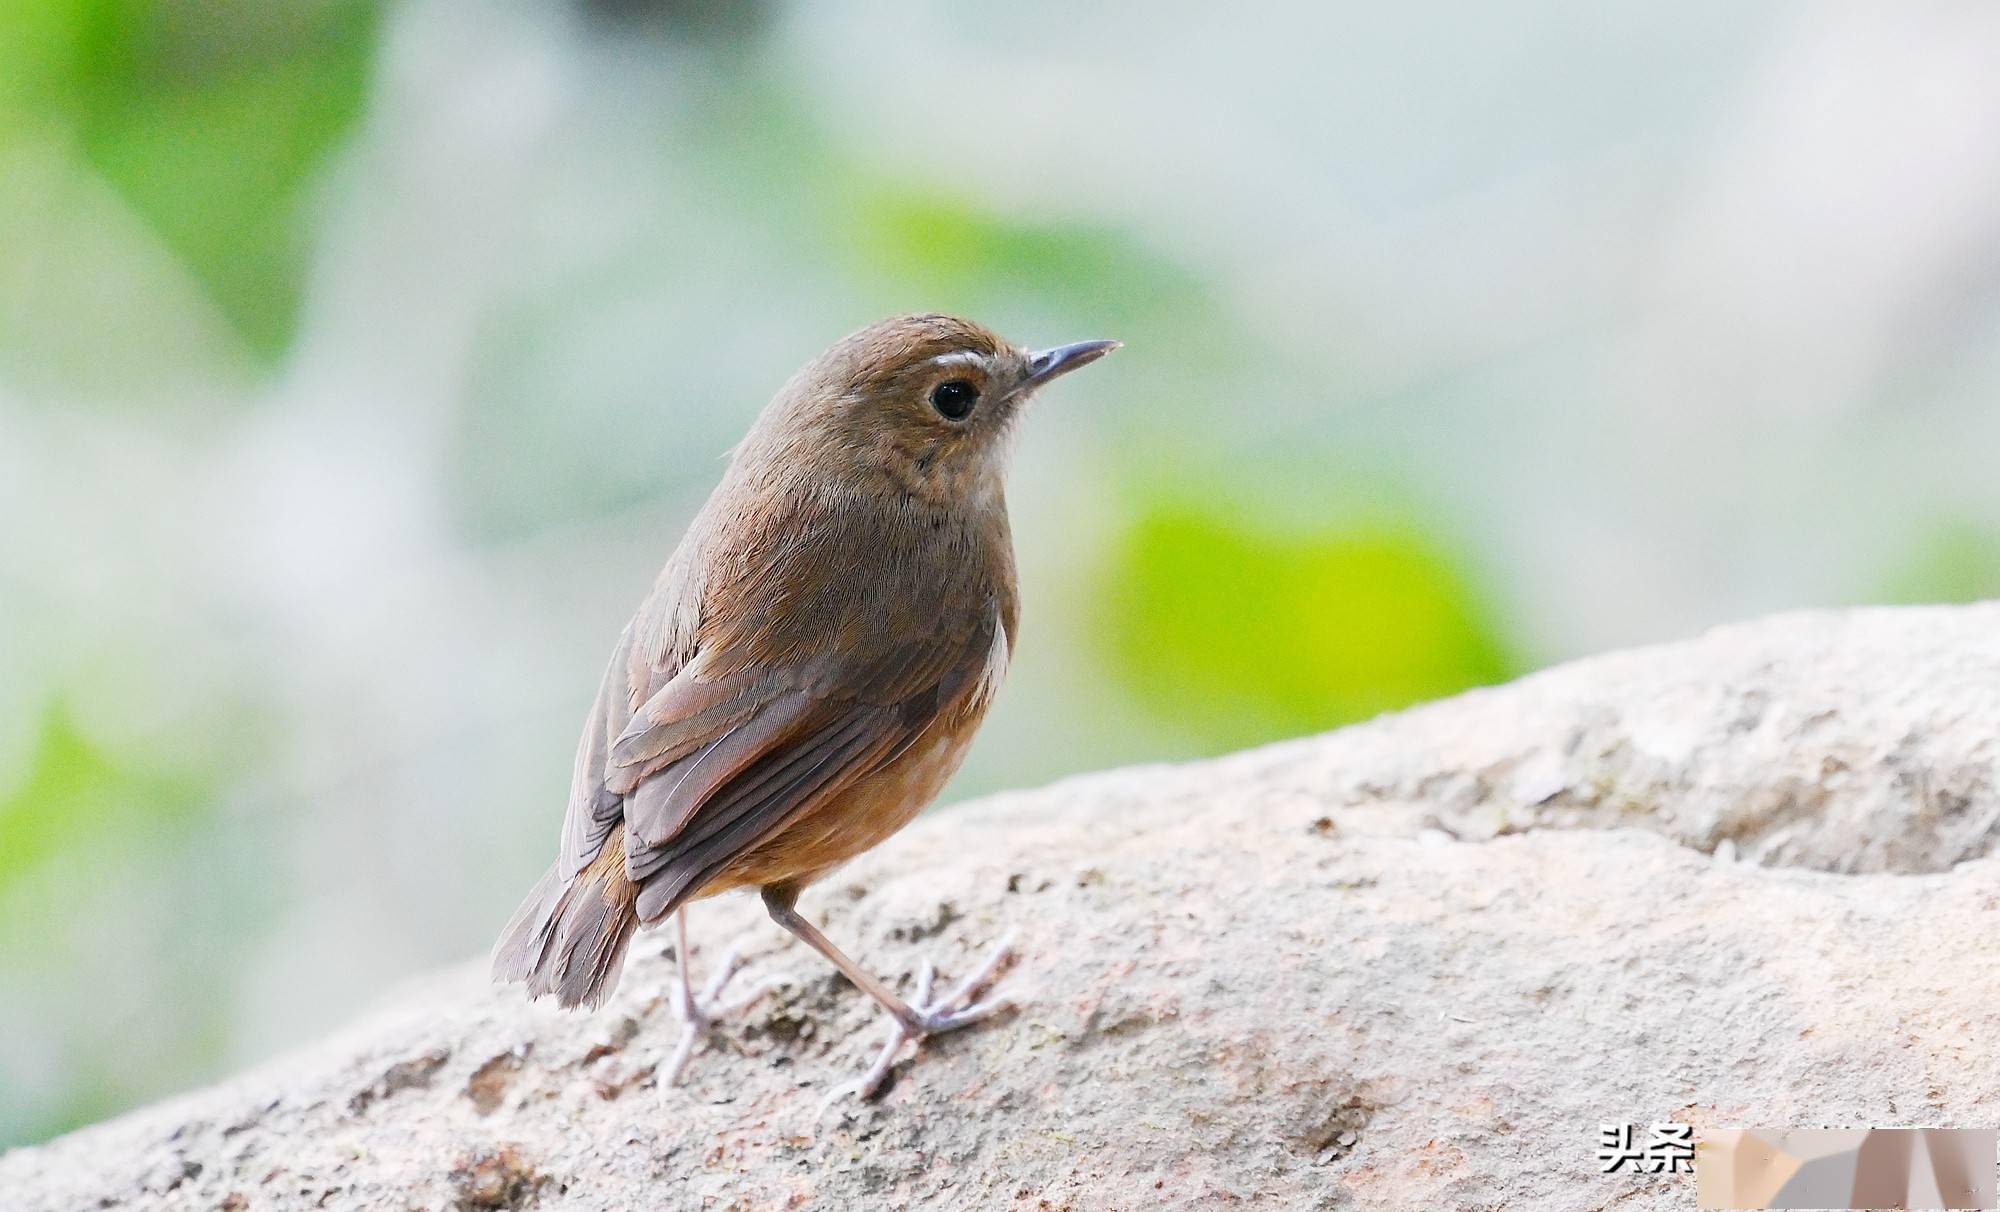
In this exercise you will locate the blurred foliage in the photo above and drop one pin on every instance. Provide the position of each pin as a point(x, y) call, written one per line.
point(723, 21)
point(75, 791)
point(518, 466)
point(210, 120)
point(78, 831)
point(1952, 561)
point(942, 246)
point(1241, 633)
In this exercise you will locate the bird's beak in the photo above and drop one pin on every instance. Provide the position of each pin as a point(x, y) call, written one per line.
point(1051, 363)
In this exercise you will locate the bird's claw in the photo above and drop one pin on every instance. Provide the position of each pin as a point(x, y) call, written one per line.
point(698, 1015)
point(948, 1013)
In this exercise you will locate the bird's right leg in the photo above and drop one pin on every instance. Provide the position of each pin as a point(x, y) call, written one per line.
point(699, 1014)
point(953, 1010)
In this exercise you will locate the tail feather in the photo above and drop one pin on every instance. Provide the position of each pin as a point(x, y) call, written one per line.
point(570, 940)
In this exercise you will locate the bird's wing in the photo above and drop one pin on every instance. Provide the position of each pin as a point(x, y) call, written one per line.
point(744, 737)
point(595, 809)
point(717, 767)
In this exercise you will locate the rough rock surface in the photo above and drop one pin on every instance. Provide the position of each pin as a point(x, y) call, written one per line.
point(1741, 881)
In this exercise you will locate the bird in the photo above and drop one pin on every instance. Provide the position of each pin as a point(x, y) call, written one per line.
point(806, 673)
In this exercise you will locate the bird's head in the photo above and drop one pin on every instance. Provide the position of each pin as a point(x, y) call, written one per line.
point(925, 401)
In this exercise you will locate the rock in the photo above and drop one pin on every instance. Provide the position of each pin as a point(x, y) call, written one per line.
point(1744, 881)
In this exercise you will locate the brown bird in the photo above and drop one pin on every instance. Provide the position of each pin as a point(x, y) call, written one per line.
point(807, 671)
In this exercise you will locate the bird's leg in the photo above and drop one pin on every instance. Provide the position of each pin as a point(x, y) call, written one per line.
point(948, 1013)
point(698, 1014)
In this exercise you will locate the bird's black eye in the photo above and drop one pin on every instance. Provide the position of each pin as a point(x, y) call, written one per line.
point(954, 399)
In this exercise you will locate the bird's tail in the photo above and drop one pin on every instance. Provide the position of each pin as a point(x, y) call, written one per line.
point(570, 940)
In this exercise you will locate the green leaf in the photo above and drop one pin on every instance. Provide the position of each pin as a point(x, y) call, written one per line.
point(1243, 634)
point(210, 120)
point(75, 792)
point(946, 248)
point(1951, 561)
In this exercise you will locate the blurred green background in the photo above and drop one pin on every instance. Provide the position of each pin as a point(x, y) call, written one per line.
point(360, 363)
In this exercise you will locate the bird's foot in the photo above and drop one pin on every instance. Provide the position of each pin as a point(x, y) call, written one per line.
point(698, 1014)
point(948, 1013)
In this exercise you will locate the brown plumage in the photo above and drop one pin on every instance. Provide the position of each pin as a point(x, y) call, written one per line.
point(810, 666)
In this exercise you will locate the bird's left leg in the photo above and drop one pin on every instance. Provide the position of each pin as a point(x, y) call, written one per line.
point(699, 1014)
point(928, 1017)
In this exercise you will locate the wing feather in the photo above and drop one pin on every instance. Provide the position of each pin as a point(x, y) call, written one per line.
point(686, 713)
point(594, 809)
point(665, 801)
point(796, 783)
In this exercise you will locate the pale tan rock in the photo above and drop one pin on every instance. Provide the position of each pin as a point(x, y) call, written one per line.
point(1410, 964)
